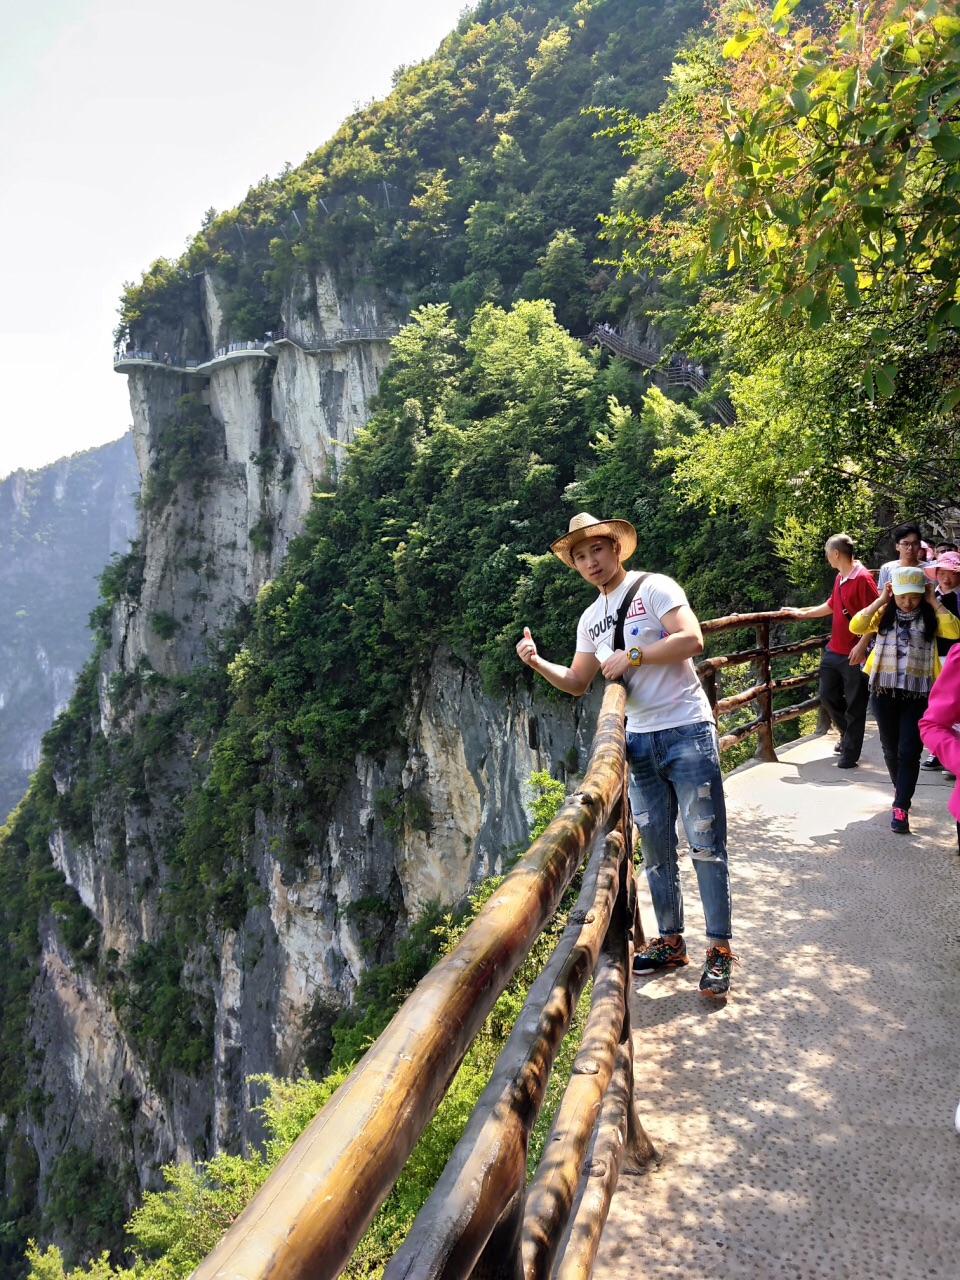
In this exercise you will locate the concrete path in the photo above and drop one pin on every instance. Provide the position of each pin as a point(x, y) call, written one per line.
point(807, 1124)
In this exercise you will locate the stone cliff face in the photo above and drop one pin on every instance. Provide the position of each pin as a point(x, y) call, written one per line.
point(425, 823)
point(58, 527)
point(280, 420)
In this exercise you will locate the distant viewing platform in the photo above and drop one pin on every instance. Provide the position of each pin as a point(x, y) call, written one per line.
point(268, 348)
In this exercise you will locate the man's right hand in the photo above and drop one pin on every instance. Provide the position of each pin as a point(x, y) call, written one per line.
point(858, 653)
point(526, 648)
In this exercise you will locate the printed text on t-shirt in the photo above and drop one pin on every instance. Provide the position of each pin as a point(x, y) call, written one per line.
point(603, 625)
point(637, 610)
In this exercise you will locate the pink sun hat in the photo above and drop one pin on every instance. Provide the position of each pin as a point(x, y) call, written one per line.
point(949, 560)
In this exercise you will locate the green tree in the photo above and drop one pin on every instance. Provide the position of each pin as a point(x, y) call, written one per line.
point(811, 251)
point(821, 163)
point(838, 181)
point(562, 275)
point(546, 796)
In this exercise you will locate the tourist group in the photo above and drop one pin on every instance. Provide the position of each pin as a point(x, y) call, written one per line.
point(893, 647)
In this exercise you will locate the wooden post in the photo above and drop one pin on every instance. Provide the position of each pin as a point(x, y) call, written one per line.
point(709, 678)
point(639, 1151)
point(765, 749)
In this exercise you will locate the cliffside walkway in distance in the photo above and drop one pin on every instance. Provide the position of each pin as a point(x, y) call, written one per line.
point(682, 374)
point(124, 361)
point(268, 349)
point(806, 1125)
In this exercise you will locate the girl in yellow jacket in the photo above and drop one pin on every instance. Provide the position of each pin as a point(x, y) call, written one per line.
point(907, 617)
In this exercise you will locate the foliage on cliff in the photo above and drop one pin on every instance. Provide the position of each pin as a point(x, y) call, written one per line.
point(476, 179)
point(34, 896)
point(437, 536)
point(818, 220)
point(175, 1228)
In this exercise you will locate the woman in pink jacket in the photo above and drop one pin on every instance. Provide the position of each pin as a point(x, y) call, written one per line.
point(940, 731)
point(940, 725)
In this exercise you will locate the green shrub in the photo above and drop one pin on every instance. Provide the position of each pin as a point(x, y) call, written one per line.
point(261, 534)
point(546, 794)
point(188, 451)
point(169, 1023)
point(164, 624)
point(85, 1200)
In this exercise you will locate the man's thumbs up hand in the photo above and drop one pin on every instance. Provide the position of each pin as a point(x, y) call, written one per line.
point(526, 648)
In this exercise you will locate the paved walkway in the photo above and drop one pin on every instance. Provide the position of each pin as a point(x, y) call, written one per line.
point(807, 1124)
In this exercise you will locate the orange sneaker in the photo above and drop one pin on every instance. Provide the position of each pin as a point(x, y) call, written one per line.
point(715, 979)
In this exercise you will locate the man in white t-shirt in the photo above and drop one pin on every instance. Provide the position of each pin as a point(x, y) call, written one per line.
point(909, 546)
point(671, 737)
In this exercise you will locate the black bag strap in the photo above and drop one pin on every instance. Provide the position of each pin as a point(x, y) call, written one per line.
point(624, 606)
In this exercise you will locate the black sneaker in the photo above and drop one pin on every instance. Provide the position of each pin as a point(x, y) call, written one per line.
point(715, 979)
point(899, 822)
point(931, 762)
point(838, 746)
point(846, 762)
point(657, 955)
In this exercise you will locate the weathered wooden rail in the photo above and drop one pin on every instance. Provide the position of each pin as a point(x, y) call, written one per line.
point(481, 1219)
point(761, 692)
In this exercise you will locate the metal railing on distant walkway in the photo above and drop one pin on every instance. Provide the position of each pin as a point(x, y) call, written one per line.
point(680, 372)
point(341, 338)
point(178, 364)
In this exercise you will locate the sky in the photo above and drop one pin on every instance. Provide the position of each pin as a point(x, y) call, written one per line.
point(120, 125)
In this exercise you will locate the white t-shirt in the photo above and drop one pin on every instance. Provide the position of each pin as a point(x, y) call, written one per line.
point(658, 696)
point(886, 572)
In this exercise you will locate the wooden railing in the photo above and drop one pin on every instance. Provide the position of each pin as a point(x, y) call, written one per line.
point(481, 1218)
point(766, 686)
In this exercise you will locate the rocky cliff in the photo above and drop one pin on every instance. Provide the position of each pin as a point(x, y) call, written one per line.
point(58, 528)
point(269, 425)
point(231, 454)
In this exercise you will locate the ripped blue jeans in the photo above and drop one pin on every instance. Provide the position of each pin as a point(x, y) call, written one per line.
point(678, 771)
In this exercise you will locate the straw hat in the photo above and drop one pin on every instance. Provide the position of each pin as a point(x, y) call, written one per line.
point(584, 526)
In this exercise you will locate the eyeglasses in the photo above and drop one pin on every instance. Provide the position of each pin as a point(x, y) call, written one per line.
point(908, 542)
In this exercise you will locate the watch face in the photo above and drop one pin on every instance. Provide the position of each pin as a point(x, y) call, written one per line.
point(633, 654)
